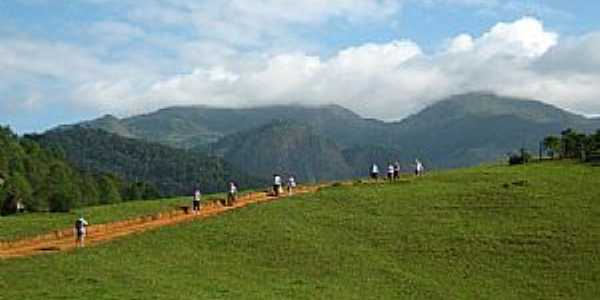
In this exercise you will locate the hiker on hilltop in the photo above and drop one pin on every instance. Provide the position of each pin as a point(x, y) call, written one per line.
point(390, 172)
point(276, 184)
point(397, 170)
point(232, 193)
point(374, 172)
point(196, 201)
point(419, 168)
point(80, 231)
point(291, 184)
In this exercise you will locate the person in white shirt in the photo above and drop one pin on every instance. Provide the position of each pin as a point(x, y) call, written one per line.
point(374, 172)
point(196, 201)
point(232, 193)
point(419, 169)
point(390, 172)
point(291, 185)
point(80, 231)
point(276, 184)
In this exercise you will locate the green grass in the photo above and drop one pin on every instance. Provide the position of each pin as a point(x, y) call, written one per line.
point(31, 224)
point(483, 233)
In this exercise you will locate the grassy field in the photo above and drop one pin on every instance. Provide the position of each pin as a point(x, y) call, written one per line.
point(483, 233)
point(32, 224)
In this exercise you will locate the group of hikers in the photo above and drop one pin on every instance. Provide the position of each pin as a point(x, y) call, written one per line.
point(232, 191)
point(393, 170)
point(278, 185)
point(393, 174)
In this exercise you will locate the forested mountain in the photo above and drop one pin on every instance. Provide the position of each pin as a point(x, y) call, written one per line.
point(42, 180)
point(174, 172)
point(459, 131)
point(469, 129)
point(194, 126)
point(287, 148)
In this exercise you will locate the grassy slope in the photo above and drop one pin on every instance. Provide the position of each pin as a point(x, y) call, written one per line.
point(22, 226)
point(457, 234)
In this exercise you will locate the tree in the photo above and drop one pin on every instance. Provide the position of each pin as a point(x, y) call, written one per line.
point(17, 189)
point(64, 194)
point(572, 143)
point(90, 191)
point(552, 144)
point(109, 192)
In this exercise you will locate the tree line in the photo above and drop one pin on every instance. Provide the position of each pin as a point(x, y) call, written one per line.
point(573, 145)
point(174, 172)
point(39, 179)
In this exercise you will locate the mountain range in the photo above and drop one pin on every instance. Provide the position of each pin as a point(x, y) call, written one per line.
point(329, 142)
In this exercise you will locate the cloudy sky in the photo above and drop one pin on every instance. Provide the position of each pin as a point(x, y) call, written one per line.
point(63, 61)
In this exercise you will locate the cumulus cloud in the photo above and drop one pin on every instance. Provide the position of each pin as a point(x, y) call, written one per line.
point(230, 61)
point(391, 80)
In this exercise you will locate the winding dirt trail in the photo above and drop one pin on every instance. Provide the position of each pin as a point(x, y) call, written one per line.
point(62, 240)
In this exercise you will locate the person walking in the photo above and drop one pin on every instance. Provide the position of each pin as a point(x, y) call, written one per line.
point(196, 201)
point(80, 232)
point(396, 170)
point(276, 185)
point(232, 194)
point(291, 184)
point(390, 172)
point(419, 168)
point(374, 172)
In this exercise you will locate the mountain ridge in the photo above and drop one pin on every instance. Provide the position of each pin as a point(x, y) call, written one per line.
point(461, 130)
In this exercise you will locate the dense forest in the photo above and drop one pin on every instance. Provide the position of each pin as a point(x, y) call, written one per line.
point(285, 147)
point(37, 179)
point(174, 172)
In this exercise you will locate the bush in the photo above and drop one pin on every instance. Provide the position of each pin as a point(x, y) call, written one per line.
point(519, 159)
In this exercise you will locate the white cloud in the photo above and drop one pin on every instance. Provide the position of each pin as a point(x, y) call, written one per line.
point(525, 37)
point(254, 23)
point(391, 80)
point(385, 80)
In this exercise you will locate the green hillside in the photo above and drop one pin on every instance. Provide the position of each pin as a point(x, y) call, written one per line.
point(494, 232)
point(284, 147)
point(174, 172)
point(42, 180)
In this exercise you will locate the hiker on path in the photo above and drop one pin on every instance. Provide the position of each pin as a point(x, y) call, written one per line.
point(232, 193)
point(196, 201)
point(374, 172)
point(80, 231)
point(419, 169)
point(397, 170)
point(390, 172)
point(291, 185)
point(276, 184)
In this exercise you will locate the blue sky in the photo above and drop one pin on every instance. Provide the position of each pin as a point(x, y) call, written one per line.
point(63, 61)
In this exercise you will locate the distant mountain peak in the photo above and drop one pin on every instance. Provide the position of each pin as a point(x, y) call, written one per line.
point(107, 117)
point(490, 104)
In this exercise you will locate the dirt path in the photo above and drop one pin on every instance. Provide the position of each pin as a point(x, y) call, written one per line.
point(62, 240)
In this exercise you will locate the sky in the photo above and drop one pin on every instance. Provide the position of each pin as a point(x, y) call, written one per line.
point(65, 61)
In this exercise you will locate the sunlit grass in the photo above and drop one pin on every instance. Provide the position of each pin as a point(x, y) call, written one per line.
point(483, 233)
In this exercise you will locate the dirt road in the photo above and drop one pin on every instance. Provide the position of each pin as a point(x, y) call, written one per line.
point(62, 240)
